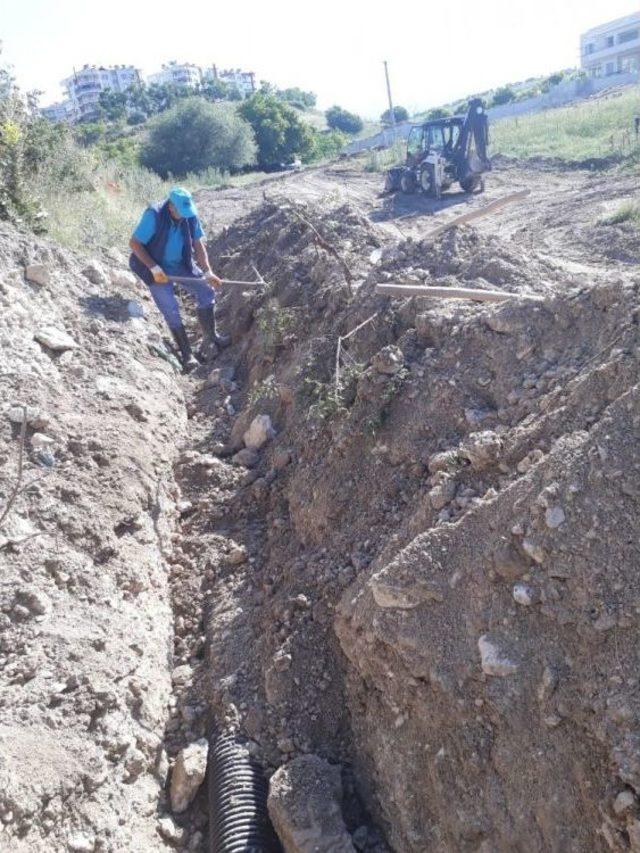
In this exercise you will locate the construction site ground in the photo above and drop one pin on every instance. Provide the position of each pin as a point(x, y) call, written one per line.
point(412, 592)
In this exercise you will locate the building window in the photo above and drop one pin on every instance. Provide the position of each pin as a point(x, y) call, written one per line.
point(589, 48)
point(629, 35)
point(609, 41)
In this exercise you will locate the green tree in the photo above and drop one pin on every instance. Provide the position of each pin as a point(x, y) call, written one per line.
point(279, 131)
point(503, 95)
point(341, 119)
point(112, 105)
point(298, 98)
point(328, 143)
point(400, 113)
point(195, 135)
point(438, 112)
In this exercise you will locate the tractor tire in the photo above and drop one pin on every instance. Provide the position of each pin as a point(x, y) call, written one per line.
point(426, 180)
point(471, 184)
point(390, 183)
point(408, 182)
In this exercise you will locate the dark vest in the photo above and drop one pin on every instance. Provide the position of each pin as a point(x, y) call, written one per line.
point(156, 244)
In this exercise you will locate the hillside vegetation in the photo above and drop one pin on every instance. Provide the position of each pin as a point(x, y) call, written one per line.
point(596, 128)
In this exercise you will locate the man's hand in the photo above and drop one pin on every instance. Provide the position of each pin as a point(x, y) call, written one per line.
point(159, 275)
point(213, 279)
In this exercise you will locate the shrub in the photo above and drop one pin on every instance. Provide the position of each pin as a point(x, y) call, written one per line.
point(279, 132)
point(195, 135)
point(400, 114)
point(341, 119)
point(503, 95)
point(438, 112)
point(328, 143)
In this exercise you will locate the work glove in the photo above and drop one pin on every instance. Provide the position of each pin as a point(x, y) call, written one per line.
point(159, 275)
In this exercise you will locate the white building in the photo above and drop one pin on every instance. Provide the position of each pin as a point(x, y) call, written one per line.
point(243, 81)
point(84, 86)
point(612, 48)
point(177, 74)
point(60, 111)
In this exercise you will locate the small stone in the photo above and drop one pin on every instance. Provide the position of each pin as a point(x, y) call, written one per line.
point(122, 278)
point(554, 517)
point(552, 721)
point(94, 271)
point(36, 601)
point(182, 675)
point(247, 458)
point(45, 457)
point(259, 432)
point(389, 360)
point(188, 774)
point(360, 837)
point(40, 441)
point(286, 745)
point(237, 556)
point(81, 843)
point(170, 831)
point(533, 550)
point(35, 418)
point(492, 661)
point(281, 459)
point(37, 274)
point(523, 594)
point(55, 339)
point(623, 802)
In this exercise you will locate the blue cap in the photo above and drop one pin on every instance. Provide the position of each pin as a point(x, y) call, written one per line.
point(182, 200)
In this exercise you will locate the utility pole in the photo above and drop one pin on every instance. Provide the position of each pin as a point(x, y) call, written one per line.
point(391, 112)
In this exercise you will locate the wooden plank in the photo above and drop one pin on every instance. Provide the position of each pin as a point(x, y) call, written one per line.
point(479, 213)
point(403, 290)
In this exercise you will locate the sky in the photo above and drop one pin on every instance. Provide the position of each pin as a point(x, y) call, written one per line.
point(436, 52)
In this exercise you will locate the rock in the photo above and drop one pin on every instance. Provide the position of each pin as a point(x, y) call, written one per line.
point(35, 418)
point(482, 449)
point(182, 675)
point(122, 278)
point(633, 831)
point(492, 661)
point(623, 802)
point(443, 493)
point(135, 310)
point(40, 441)
point(554, 517)
point(523, 594)
point(95, 272)
point(448, 460)
point(533, 550)
point(55, 339)
point(389, 360)
point(170, 831)
point(259, 432)
point(188, 774)
point(237, 556)
point(37, 274)
point(281, 459)
point(304, 804)
point(37, 602)
point(247, 458)
point(80, 842)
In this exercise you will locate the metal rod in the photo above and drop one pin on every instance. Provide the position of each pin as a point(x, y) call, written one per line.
point(187, 279)
point(454, 293)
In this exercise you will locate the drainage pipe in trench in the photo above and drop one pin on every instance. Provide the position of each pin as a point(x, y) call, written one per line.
point(238, 817)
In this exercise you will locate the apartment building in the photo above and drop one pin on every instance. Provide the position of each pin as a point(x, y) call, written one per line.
point(177, 74)
point(612, 48)
point(243, 81)
point(60, 111)
point(83, 87)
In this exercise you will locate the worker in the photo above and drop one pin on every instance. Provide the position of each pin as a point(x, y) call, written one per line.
point(167, 241)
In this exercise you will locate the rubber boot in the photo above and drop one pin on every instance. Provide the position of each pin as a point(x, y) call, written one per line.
point(210, 335)
point(184, 347)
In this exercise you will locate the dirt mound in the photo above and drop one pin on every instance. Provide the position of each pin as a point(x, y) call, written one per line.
point(475, 432)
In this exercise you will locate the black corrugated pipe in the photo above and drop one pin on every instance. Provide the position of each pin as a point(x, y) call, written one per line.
point(238, 817)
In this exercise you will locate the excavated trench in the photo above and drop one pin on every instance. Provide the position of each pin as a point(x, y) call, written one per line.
point(424, 571)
